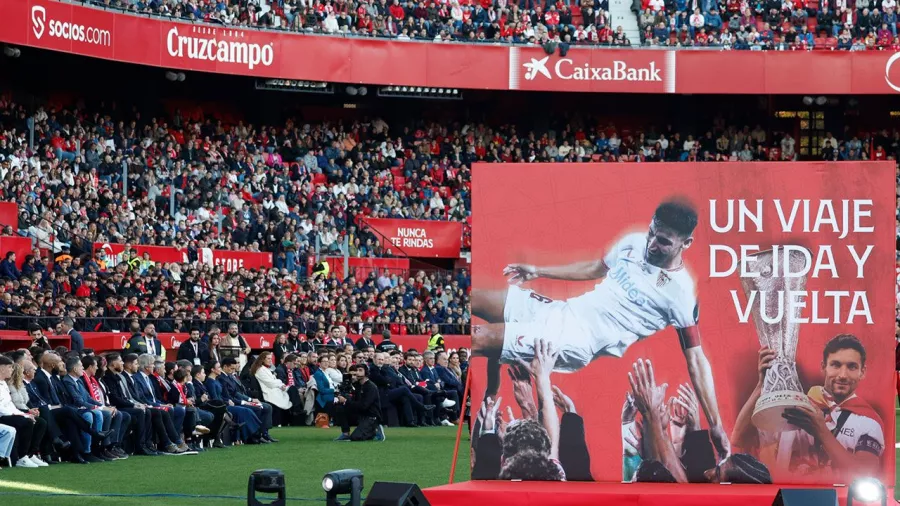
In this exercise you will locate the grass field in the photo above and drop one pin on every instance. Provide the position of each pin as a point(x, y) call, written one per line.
point(303, 454)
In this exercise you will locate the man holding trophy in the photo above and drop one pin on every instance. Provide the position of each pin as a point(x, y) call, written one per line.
point(827, 431)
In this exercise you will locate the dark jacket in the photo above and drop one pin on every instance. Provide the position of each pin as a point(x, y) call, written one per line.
point(186, 352)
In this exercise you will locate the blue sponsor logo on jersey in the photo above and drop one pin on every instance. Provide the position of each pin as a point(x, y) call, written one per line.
point(621, 276)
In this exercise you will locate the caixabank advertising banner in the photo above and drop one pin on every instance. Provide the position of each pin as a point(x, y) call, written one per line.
point(687, 322)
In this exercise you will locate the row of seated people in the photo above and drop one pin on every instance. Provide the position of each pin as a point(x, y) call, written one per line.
point(300, 377)
point(281, 190)
point(89, 409)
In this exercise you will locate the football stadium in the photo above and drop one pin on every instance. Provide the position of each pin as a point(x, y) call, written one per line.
point(445, 252)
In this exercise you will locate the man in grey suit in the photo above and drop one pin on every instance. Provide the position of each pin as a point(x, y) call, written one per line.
point(67, 327)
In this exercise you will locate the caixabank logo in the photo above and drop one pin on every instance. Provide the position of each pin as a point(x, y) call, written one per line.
point(587, 69)
point(42, 24)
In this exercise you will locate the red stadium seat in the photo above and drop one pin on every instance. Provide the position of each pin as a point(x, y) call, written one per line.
point(399, 182)
point(319, 179)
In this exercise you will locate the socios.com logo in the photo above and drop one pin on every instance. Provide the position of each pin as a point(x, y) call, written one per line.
point(66, 30)
point(38, 17)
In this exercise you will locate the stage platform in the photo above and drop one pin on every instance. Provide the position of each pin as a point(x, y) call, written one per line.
point(506, 493)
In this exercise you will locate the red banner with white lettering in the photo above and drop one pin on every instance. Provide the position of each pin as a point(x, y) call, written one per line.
point(114, 35)
point(230, 260)
point(418, 238)
point(682, 326)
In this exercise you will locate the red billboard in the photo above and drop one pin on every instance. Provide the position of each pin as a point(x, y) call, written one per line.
point(9, 214)
point(691, 323)
point(228, 259)
point(419, 238)
point(114, 35)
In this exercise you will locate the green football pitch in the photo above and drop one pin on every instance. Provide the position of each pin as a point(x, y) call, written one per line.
point(304, 454)
point(220, 476)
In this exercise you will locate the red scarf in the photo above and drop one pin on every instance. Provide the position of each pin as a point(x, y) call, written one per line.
point(290, 377)
point(93, 387)
point(180, 388)
point(856, 405)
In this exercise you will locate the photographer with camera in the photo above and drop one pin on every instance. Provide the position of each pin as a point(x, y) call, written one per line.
point(363, 406)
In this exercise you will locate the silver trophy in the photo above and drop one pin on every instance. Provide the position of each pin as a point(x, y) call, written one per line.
point(781, 387)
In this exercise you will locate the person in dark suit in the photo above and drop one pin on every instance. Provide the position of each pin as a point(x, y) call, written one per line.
point(233, 390)
point(76, 341)
point(163, 426)
point(416, 383)
point(294, 339)
point(146, 342)
point(46, 389)
point(79, 399)
point(245, 417)
point(121, 397)
point(146, 390)
point(343, 339)
point(448, 380)
point(57, 419)
point(281, 348)
point(392, 388)
point(194, 350)
point(290, 375)
point(365, 340)
point(121, 420)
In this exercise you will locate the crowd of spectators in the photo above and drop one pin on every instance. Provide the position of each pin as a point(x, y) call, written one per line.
point(59, 405)
point(99, 297)
point(282, 189)
point(732, 24)
point(771, 24)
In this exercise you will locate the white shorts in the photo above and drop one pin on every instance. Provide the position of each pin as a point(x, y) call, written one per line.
point(530, 316)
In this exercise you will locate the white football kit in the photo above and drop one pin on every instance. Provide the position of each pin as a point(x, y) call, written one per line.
point(633, 301)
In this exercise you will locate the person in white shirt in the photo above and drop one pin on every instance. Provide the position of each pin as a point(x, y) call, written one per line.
point(30, 429)
point(644, 289)
point(274, 391)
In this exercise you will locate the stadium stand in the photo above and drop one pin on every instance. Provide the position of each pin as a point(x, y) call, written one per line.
point(730, 24)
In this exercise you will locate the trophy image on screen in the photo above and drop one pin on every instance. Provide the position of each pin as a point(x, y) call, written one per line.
point(781, 387)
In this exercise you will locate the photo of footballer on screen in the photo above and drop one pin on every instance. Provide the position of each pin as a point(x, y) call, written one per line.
point(644, 288)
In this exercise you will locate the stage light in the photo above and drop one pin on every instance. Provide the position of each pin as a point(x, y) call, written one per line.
point(363, 91)
point(352, 90)
point(821, 100)
point(171, 76)
point(345, 481)
point(418, 92)
point(808, 101)
point(867, 490)
point(12, 52)
point(295, 86)
point(181, 77)
point(266, 481)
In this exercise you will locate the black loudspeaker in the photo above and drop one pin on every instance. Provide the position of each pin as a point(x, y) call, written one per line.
point(385, 493)
point(806, 497)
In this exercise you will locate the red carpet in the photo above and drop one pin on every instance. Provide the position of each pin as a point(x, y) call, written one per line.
point(503, 493)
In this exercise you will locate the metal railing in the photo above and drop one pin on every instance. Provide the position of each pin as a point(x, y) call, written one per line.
point(183, 325)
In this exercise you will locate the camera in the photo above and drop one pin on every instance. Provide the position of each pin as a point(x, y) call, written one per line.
point(346, 386)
